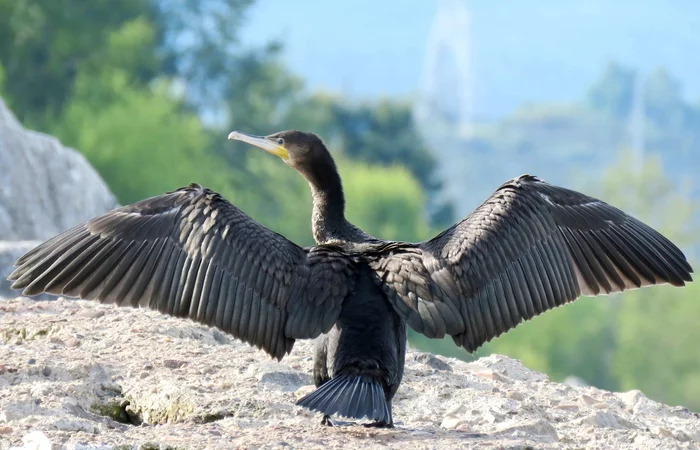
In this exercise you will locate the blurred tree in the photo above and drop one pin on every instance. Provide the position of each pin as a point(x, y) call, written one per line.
point(664, 105)
point(614, 92)
point(656, 337)
point(200, 44)
point(382, 133)
point(43, 45)
point(617, 342)
point(376, 205)
point(2, 81)
point(138, 137)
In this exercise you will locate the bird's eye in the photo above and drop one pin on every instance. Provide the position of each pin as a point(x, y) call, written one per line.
point(280, 141)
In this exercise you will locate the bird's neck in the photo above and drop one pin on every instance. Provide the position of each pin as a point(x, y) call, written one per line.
point(328, 220)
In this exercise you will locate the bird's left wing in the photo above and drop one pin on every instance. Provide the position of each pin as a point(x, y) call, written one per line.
point(530, 247)
point(190, 253)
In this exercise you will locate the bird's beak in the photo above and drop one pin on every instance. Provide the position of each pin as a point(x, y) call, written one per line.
point(263, 142)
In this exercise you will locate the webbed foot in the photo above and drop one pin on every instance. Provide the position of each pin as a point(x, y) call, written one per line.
point(379, 425)
point(327, 421)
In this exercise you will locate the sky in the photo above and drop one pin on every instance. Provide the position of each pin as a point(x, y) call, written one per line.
point(522, 51)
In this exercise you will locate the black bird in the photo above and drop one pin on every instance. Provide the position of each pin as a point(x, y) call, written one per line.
point(528, 248)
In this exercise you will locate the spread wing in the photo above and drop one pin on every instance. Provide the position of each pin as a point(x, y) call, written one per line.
point(190, 253)
point(529, 248)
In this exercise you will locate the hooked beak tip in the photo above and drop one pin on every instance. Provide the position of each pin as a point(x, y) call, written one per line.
point(234, 135)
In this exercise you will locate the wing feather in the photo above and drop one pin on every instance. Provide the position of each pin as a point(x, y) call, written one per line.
point(190, 253)
point(529, 248)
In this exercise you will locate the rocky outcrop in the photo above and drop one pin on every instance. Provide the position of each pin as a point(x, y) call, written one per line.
point(45, 188)
point(85, 376)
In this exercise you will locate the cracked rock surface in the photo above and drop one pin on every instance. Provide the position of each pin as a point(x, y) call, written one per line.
point(79, 375)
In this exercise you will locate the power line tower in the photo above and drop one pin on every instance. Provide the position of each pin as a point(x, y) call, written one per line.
point(445, 98)
point(636, 122)
point(444, 107)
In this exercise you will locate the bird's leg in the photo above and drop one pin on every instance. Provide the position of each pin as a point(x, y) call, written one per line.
point(327, 421)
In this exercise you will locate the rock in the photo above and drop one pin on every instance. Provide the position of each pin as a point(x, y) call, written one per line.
point(16, 411)
point(91, 313)
point(36, 440)
point(279, 376)
point(536, 429)
point(75, 425)
point(174, 363)
point(45, 188)
point(515, 396)
point(433, 361)
point(508, 367)
point(81, 446)
point(72, 342)
point(230, 395)
point(606, 420)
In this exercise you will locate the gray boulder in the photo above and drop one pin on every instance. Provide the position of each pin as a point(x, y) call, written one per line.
point(45, 188)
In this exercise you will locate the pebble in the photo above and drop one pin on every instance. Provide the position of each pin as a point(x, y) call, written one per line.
point(72, 342)
point(568, 407)
point(515, 395)
point(91, 313)
point(540, 429)
point(174, 363)
point(491, 375)
point(588, 400)
point(433, 361)
point(606, 419)
point(285, 380)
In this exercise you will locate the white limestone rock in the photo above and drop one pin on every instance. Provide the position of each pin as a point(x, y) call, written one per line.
point(229, 395)
point(45, 188)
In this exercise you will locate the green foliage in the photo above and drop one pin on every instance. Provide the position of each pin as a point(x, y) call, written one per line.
point(282, 201)
point(571, 340)
point(377, 204)
point(656, 337)
point(43, 45)
point(657, 350)
point(381, 133)
point(137, 136)
point(142, 144)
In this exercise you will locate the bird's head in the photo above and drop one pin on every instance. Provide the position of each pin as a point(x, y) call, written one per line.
point(302, 151)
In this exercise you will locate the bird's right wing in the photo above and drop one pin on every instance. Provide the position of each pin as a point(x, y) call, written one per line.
point(190, 253)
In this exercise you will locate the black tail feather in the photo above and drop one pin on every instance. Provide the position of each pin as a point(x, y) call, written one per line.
point(354, 396)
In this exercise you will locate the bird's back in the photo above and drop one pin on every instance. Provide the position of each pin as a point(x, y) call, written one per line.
point(368, 335)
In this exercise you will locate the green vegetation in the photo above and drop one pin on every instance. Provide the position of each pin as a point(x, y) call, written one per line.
point(151, 112)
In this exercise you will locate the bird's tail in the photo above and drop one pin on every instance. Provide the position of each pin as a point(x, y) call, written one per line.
point(350, 395)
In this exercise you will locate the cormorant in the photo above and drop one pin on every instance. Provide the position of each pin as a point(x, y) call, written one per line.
point(528, 248)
